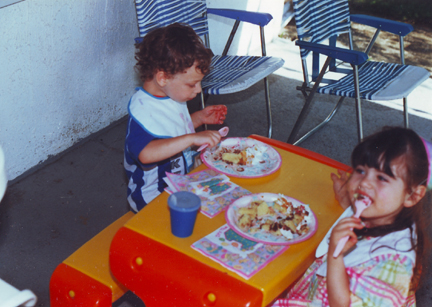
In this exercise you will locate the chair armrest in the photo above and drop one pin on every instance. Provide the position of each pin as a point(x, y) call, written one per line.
point(395, 27)
point(350, 56)
point(261, 19)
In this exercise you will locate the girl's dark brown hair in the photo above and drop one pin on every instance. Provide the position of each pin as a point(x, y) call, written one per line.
point(400, 145)
point(171, 49)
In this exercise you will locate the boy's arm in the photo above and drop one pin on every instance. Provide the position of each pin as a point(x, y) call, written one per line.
point(161, 149)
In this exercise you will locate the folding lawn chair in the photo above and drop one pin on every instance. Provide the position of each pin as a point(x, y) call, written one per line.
point(322, 20)
point(228, 74)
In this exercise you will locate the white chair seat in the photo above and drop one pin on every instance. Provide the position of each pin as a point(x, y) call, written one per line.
point(227, 79)
point(379, 81)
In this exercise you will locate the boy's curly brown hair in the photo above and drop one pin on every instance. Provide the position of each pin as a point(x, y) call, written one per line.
point(171, 49)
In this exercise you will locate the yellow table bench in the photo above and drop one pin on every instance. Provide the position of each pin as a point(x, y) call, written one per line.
point(84, 278)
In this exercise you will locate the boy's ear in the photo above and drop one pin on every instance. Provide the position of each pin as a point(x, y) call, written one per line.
point(161, 78)
point(415, 196)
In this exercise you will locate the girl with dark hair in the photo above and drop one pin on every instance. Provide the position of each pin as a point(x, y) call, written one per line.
point(382, 262)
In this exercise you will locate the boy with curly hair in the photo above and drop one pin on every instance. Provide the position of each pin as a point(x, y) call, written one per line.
point(171, 62)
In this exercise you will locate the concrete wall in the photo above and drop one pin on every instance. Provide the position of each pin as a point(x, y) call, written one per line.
point(66, 69)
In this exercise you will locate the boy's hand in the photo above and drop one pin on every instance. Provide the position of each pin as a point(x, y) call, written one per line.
point(210, 137)
point(161, 149)
point(344, 228)
point(213, 115)
point(340, 188)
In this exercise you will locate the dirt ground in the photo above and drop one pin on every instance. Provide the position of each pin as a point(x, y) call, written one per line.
point(417, 44)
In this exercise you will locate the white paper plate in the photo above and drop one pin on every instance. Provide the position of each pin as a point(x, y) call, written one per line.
point(263, 237)
point(269, 163)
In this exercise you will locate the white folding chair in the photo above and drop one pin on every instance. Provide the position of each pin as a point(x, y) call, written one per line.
point(12, 297)
point(9, 295)
point(3, 178)
point(319, 21)
point(228, 74)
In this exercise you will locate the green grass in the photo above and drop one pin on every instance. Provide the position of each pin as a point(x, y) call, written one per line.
point(417, 12)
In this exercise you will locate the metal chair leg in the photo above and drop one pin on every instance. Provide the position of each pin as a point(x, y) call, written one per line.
point(203, 101)
point(320, 125)
point(268, 106)
point(405, 108)
point(266, 87)
point(358, 104)
point(301, 118)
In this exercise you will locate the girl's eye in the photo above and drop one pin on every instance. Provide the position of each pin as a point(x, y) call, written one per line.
point(359, 170)
point(382, 178)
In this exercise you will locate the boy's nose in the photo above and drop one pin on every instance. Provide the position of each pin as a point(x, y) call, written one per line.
point(198, 88)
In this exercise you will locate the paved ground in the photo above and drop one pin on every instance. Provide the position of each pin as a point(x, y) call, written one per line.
point(48, 214)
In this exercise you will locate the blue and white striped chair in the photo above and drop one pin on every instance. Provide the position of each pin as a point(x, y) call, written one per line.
point(319, 21)
point(229, 74)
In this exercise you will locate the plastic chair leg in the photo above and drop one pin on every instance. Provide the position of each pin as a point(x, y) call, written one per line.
point(24, 298)
point(12, 297)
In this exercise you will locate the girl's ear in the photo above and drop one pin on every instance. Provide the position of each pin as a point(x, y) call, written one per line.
point(161, 78)
point(415, 196)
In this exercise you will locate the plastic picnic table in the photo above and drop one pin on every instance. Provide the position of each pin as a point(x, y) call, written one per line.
point(164, 270)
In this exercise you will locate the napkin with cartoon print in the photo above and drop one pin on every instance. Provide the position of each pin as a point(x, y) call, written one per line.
point(215, 190)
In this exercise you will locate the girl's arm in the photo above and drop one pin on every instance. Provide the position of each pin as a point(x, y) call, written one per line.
point(211, 115)
point(338, 289)
point(161, 149)
point(337, 282)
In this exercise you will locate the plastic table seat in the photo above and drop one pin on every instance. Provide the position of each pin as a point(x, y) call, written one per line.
point(84, 278)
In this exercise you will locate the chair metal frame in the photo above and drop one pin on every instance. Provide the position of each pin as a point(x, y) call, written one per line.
point(355, 58)
point(263, 19)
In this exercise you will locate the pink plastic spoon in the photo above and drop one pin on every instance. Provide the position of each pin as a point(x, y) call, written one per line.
point(360, 204)
point(223, 132)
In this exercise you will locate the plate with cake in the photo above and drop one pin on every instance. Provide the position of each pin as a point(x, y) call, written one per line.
point(242, 157)
point(271, 219)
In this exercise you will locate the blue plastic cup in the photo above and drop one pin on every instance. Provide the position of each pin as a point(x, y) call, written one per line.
point(184, 207)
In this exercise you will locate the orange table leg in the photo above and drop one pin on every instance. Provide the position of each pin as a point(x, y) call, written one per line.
point(161, 276)
point(70, 287)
